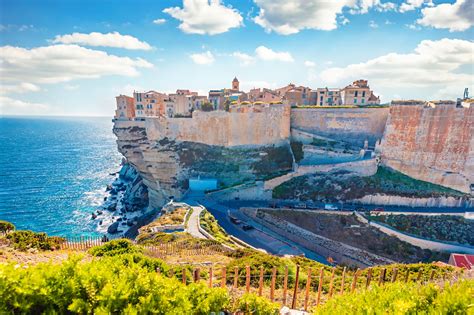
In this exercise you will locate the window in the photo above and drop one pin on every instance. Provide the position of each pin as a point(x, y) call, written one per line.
point(320, 103)
point(363, 101)
point(363, 94)
point(355, 101)
point(321, 98)
point(355, 93)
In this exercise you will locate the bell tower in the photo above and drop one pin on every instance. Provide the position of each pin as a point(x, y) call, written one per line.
point(235, 84)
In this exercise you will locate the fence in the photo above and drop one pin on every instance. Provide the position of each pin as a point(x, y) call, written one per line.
point(288, 290)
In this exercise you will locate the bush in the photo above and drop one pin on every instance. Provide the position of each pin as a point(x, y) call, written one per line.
point(24, 240)
point(402, 298)
point(115, 247)
point(253, 304)
point(6, 226)
point(110, 285)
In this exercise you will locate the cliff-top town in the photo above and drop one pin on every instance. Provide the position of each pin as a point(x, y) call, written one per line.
point(184, 102)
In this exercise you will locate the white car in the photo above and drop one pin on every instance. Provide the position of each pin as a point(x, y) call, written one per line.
point(330, 207)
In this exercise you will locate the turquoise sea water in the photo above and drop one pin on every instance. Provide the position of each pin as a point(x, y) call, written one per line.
point(53, 172)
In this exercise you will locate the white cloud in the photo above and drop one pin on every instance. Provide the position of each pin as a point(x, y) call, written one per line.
point(344, 20)
point(267, 54)
point(411, 5)
point(455, 17)
point(70, 87)
point(432, 65)
point(310, 64)
point(159, 21)
point(205, 58)
point(372, 24)
point(205, 17)
point(291, 16)
point(114, 39)
point(23, 87)
point(10, 106)
point(62, 63)
point(245, 59)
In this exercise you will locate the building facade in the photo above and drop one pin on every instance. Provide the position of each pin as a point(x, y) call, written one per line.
point(359, 93)
point(125, 107)
point(149, 104)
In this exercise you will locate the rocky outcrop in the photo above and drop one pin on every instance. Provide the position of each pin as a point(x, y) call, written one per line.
point(381, 199)
point(230, 147)
point(431, 143)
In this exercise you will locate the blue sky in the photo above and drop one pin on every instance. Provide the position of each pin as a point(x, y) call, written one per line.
point(72, 57)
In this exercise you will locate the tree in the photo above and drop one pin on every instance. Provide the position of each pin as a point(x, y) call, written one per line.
point(207, 107)
point(6, 227)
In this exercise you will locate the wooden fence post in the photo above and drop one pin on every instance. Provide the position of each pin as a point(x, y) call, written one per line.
point(343, 280)
point(223, 277)
point(420, 274)
point(272, 288)
point(171, 273)
point(394, 274)
point(197, 275)
point(354, 280)
point(382, 276)
point(432, 275)
point(158, 271)
point(407, 275)
point(236, 277)
point(308, 286)
point(295, 292)
point(320, 285)
point(331, 284)
point(260, 282)
point(183, 275)
point(211, 274)
point(285, 285)
point(369, 277)
point(247, 279)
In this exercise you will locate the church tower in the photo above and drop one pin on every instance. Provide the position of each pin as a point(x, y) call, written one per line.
point(235, 84)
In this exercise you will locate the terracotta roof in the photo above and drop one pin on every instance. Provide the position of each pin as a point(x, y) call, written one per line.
point(462, 261)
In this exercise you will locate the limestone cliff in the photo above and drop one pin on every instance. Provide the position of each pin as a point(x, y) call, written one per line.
point(434, 144)
point(231, 147)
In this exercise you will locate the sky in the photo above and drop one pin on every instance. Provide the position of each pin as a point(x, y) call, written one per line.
point(73, 57)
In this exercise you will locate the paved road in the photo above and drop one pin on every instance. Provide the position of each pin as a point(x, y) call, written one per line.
point(193, 222)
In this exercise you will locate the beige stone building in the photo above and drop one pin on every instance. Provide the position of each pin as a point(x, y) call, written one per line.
point(149, 104)
point(263, 95)
point(125, 108)
point(359, 93)
point(328, 96)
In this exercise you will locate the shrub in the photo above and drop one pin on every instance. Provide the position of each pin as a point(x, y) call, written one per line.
point(256, 305)
point(115, 247)
point(24, 240)
point(6, 226)
point(402, 298)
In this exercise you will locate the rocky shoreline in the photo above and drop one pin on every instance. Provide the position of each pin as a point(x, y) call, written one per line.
point(125, 206)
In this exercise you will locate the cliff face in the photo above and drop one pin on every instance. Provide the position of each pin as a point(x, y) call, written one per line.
point(231, 147)
point(431, 144)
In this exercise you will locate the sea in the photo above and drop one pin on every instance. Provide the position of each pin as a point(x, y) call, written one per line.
point(54, 171)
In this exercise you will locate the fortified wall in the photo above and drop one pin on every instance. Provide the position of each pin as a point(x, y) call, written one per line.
point(349, 124)
point(431, 143)
point(232, 147)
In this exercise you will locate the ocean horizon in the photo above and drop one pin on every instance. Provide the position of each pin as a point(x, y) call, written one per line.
point(54, 170)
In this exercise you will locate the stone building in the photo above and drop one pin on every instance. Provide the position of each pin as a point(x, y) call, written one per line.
point(359, 93)
point(328, 96)
point(125, 107)
point(149, 104)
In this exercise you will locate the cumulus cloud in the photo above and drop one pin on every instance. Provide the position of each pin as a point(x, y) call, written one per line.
point(205, 17)
point(10, 106)
point(23, 87)
point(205, 58)
point(411, 5)
point(291, 16)
point(308, 63)
point(62, 63)
point(159, 21)
point(267, 54)
point(114, 39)
point(372, 24)
point(433, 64)
point(245, 59)
point(458, 16)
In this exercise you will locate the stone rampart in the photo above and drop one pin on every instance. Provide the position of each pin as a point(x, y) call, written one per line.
point(349, 124)
point(434, 144)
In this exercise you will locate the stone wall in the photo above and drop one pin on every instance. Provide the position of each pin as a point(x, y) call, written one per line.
point(434, 144)
point(349, 124)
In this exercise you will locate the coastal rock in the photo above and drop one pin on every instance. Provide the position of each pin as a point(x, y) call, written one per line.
point(113, 228)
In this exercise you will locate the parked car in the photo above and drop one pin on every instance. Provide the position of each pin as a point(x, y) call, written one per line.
point(379, 209)
point(329, 206)
point(247, 227)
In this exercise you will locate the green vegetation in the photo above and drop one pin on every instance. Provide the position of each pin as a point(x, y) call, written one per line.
point(401, 298)
point(297, 148)
point(111, 285)
point(329, 187)
point(211, 226)
point(115, 247)
point(207, 107)
point(442, 227)
point(24, 240)
point(6, 226)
